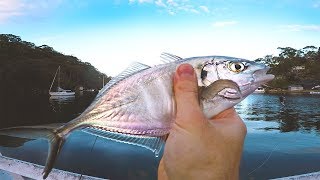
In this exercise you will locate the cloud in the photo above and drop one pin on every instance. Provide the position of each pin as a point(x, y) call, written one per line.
point(224, 23)
point(160, 3)
point(172, 3)
point(175, 6)
point(10, 8)
point(141, 1)
point(299, 27)
point(17, 8)
point(204, 8)
point(316, 4)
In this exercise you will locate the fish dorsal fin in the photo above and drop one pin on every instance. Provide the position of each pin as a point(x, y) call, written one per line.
point(153, 144)
point(132, 69)
point(168, 58)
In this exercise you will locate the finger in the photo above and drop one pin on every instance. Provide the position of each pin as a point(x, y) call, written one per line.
point(230, 117)
point(228, 113)
point(162, 175)
point(186, 94)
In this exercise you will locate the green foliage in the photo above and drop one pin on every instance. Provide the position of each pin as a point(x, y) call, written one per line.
point(293, 66)
point(25, 67)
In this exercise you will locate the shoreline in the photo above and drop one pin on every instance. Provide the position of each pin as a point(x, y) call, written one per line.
point(282, 91)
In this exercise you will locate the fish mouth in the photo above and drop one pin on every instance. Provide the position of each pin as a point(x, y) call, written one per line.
point(261, 77)
point(264, 79)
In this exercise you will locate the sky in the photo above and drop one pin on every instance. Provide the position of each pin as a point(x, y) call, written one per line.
point(111, 34)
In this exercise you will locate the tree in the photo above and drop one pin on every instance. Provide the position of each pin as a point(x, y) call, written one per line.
point(10, 38)
point(269, 60)
point(310, 52)
point(24, 67)
point(287, 52)
point(293, 66)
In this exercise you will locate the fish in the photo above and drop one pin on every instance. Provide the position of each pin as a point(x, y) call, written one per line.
point(139, 102)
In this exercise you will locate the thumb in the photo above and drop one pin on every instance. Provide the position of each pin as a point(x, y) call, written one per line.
point(186, 95)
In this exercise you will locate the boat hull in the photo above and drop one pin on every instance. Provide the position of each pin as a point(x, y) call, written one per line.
point(259, 90)
point(62, 93)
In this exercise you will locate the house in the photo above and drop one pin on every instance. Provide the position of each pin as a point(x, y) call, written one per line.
point(298, 68)
point(295, 88)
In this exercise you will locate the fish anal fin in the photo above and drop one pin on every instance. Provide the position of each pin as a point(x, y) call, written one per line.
point(153, 144)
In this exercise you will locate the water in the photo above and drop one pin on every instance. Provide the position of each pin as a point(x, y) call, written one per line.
point(281, 140)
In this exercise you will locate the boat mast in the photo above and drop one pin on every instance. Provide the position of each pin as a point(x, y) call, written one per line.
point(59, 77)
point(55, 78)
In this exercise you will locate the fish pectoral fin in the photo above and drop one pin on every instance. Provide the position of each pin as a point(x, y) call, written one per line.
point(230, 93)
point(224, 86)
point(153, 144)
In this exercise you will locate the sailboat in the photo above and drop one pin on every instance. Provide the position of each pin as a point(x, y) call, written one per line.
point(60, 92)
point(260, 90)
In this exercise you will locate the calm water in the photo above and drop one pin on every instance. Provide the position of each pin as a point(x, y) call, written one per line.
point(281, 140)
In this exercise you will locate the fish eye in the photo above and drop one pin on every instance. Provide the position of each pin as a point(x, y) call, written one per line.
point(236, 66)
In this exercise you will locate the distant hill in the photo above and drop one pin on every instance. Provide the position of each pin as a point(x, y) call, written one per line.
point(27, 68)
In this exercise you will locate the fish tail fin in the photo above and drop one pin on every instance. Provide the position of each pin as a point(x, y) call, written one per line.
point(53, 134)
point(55, 144)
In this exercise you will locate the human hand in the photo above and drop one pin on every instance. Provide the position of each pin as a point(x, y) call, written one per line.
point(197, 147)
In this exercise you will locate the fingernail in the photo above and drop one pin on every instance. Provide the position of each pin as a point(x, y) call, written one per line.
point(185, 70)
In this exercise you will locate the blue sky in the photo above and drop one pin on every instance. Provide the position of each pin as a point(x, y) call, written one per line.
point(110, 34)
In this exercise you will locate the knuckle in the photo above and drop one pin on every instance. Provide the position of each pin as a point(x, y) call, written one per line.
point(186, 86)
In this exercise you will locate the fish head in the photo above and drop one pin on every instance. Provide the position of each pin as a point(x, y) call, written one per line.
point(248, 76)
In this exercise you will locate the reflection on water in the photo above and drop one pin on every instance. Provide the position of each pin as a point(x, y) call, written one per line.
point(61, 99)
point(281, 140)
point(21, 110)
point(58, 103)
point(7, 141)
point(300, 113)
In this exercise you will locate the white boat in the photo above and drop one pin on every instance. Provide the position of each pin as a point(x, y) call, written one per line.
point(60, 92)
point(315, 92)
point(260, 90)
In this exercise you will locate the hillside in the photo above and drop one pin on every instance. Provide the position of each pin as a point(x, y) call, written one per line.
point(294, 67)
point(27, 68)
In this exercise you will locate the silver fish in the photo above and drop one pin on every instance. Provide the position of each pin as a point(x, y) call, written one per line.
point(139, 101)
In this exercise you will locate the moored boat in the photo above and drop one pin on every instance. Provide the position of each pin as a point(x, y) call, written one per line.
point(60, 92)
point(259, 90)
